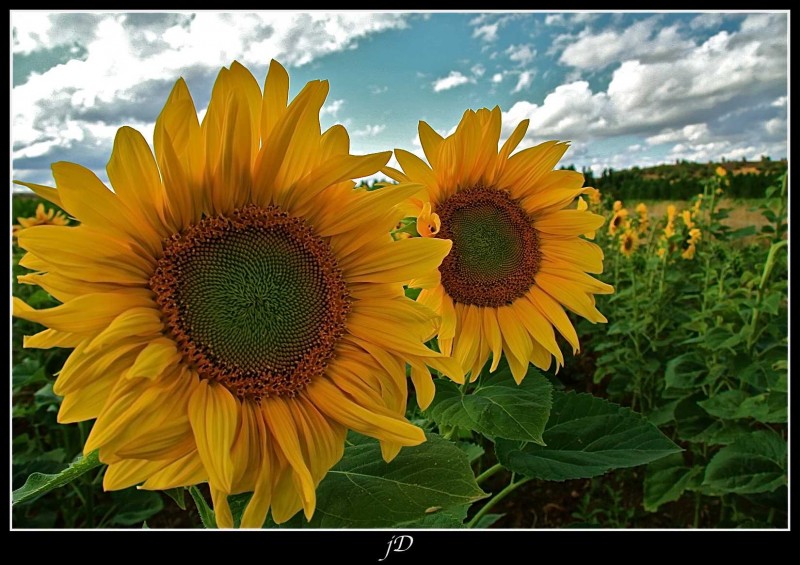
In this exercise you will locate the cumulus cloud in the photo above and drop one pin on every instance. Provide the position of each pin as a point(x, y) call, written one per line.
point(486, 32)
point(691, 132)
point(497, 77)
point(331, 107)
point(454, 79)
point(129, 62)
point(521, 54)
point(523, 82)
point(725, 94)
point(644, 40)
point(370, 130)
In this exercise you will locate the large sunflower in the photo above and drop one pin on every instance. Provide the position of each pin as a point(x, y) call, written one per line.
point(234, 305)
point(518, 257)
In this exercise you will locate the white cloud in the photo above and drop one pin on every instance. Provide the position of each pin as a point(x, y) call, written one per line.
point(521, 54)
point(691, 132)
point(478, 70)
point(486, 32)
point(524, 81)
point(375, 89)
point(706, 21)
point(454, 79)
point(497, 77)
point(726, 72)
point(370, 130)
point(779, 102)
point(130, 61)
point(644, 40)
point(332, 107)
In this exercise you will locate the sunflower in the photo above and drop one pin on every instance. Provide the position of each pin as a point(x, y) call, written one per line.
point(50, 217)
point(629, 242)
point(234, 305)
point(517, 256)
point(686, 216)
point(619, 221)
point(644, 218)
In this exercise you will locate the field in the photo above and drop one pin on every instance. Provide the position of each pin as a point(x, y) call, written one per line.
point(696, 342)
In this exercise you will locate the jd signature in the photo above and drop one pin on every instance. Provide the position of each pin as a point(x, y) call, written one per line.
point(398, 544)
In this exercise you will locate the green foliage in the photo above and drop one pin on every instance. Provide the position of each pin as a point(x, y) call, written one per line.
point(700, 345)
point(429, 485)
point(497, 406)
point(39, 483)
point(586, 436)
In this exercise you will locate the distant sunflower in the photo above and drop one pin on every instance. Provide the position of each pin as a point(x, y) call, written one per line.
point(50, 217)
point(518, 257)
point(234, 305)
point(619, 221)
point(629, 242)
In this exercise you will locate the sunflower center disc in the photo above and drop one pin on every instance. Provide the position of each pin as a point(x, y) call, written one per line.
point(254, 300)
point(495, 254)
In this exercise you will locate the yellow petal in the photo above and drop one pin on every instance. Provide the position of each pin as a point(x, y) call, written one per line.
point(276, 96)
point(431, 142)
point(187, 471)
point(84, 314)
point(517, 340)
point(423, 384)
point(134, 175)
point(399, 262)
point(141, 321)
point(214, 415)
point(156, 358)
point(555, 314)
point(569, 223)
point(283, 428)
point(381, 425)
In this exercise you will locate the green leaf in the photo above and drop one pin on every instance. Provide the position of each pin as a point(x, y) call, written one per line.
point(473, 450)
point(435, 517)
point(487, 520)
point(752, 464)
point(586, 436)
point(737, 404)
point(663, 414)
point(39, 484)
point(28, 372)
point(178, 495)
point(667, 479)
point(677, 373)
point(135, 506)
point(498, 407)
point(691, 420)
point(205, 511)
point(363, 491)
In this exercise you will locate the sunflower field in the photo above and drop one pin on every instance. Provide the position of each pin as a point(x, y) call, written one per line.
point(234, 334)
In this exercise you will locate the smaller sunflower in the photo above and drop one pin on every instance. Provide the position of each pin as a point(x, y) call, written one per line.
point(619, 220)
point(686, 215)
point(629, 242)
point(518, 256)
point(50, 217)
point(644, 219)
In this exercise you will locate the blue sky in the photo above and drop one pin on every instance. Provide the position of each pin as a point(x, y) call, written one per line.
point(625, 88)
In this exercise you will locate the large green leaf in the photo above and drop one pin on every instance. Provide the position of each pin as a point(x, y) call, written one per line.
point(753, 463)
point(422, 482)
point(39, 483)
point(498, 407)
point(737, 404)
point(586, 436)
point(666, 480)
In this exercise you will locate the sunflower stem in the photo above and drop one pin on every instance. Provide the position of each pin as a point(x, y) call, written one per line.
point(488, 473)
point(495, 499)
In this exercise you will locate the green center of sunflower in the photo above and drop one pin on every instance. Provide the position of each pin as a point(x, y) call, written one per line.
point(495, 254)
point(254, 300)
